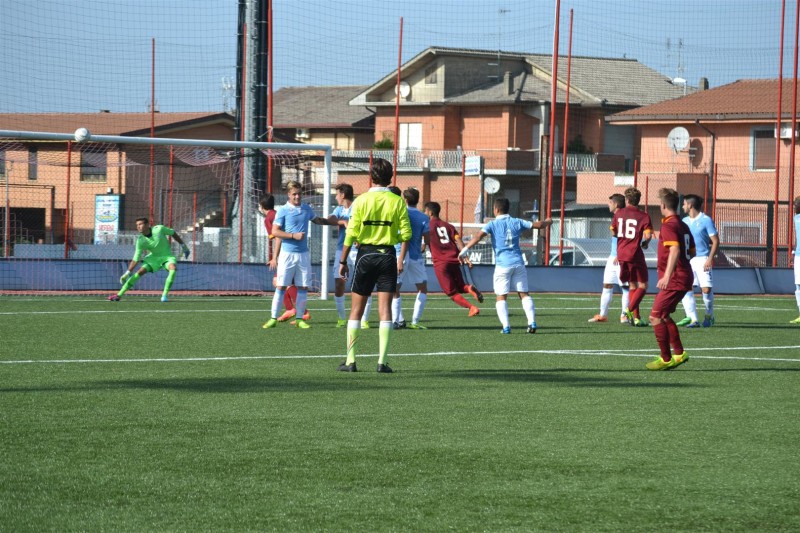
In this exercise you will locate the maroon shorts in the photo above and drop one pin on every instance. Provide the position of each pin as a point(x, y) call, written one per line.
point(636, 272)
point(450, 279)
point(666, 302)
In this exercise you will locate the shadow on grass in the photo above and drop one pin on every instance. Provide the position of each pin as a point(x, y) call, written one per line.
point(563, 376)
point(216, 385)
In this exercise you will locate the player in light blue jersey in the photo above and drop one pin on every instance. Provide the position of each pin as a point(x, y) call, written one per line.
point(706, 242)
point(794, 259)
point(414, 270)
point(339, 218)
point(611, 272)
point(509, 271)
point(294, 259)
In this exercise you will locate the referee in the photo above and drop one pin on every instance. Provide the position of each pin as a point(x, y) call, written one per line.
point(378, 221)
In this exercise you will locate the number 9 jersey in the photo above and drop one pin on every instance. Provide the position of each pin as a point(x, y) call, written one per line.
point(676, 233)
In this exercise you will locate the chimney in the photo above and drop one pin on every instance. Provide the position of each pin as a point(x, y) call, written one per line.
point(508, 81)
point(703, 85)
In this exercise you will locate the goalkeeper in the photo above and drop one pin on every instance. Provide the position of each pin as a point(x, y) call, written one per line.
point(152, 239)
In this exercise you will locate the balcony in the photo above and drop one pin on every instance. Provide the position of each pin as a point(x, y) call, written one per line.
point(407, 160)
point(495, 161)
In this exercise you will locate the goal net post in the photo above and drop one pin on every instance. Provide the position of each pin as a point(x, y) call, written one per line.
point(68, 209)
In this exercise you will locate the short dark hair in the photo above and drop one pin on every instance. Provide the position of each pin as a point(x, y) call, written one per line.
point(669, 197)
point(143, 219)
point(618, 199)
point(434, 208)
point(395, 190)
point(502, 205)
point(695, 202)
point(267, 201)
point(797, 204)
point(633, 195)
point(381, 172)
point(411, 196)
point(346, 189)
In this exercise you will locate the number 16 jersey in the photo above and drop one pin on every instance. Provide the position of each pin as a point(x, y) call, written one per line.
point(630, 227)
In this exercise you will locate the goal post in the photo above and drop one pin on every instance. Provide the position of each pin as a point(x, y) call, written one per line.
point(69, 208)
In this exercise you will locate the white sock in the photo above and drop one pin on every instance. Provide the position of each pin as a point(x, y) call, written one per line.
point(397, 309)
point(340, 309)
point(530, 309)
point(502, 312)
point(605, 301)
point(689, 306)
point(625, 298)
point(797, 296)
point(277, 301)
point(708, 302)
point(367, 308)
point(300, 303)
point(419, 307)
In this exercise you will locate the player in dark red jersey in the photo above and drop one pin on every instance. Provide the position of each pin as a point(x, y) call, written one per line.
point(444, 243)
point(675, 277)
point(633, 230)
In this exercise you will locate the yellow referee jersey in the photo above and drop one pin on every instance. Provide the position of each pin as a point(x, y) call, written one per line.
point(378, 217)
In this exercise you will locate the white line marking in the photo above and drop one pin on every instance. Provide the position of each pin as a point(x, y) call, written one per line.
point(609, 353)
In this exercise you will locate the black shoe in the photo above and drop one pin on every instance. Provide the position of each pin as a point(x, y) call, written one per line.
point(384, 369)
point(399, 325)
point(344, 367)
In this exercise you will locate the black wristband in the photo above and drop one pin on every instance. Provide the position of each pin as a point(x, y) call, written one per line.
point(342, 262)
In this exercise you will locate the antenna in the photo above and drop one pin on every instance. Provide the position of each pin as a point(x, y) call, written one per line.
point(227, 93)
point(500, 12)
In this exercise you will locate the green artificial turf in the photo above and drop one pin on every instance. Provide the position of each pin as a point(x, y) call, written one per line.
point(188, 416)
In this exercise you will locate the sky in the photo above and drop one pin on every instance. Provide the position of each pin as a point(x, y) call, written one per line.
point(88, 55)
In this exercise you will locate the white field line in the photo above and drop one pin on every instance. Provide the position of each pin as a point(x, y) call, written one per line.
point(607, 353)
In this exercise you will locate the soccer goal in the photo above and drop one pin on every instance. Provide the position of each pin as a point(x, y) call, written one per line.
point(69, 202)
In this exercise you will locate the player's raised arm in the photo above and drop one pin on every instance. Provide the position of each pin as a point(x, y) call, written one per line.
point(475, 240)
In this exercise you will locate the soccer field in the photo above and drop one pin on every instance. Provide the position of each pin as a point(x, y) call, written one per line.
point(188, 416)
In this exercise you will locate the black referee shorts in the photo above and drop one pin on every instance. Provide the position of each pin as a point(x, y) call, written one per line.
point(376, 266)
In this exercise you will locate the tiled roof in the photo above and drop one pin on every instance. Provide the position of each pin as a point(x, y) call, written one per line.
point(593, 80)
point(106, 123)
point(319, 107)
point(740, 100)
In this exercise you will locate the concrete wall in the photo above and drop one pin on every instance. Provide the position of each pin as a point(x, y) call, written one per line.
point(103, 276)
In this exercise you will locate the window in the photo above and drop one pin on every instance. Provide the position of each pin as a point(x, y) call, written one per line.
point(93, 167)
point(33, 163)
point(763, 148)
point(430, 75)
point(740, 232)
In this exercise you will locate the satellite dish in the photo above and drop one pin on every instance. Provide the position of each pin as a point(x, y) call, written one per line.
point(491, 185)
point(678, 138)
point(404, 87)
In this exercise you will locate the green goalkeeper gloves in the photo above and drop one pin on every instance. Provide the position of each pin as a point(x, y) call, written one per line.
point(124, 277)
point(185, 250)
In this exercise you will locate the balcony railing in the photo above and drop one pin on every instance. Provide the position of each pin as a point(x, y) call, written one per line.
point(434, 160)
point(575, 163)
point(451, 160)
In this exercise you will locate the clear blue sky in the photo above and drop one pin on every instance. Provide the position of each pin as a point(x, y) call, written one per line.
point(87, 55)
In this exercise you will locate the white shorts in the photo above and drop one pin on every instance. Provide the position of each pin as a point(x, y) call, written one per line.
point(611, 273)
point(351, 259)
point(797, 270)
point(294, 268)
point(508, 279)
point(351, 263)
point(702, 278)
point(413, 272)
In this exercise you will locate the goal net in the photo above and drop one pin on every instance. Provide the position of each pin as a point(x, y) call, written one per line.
point(68, 210)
